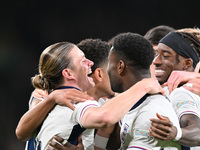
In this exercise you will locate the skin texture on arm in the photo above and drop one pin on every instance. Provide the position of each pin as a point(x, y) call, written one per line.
point(163, 129)
point(114, 141)
point(112, 111)
point(190, 125)
point(31, 120)
point(130, 96)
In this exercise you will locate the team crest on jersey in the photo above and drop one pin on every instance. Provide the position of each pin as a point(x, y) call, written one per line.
point(124, 133)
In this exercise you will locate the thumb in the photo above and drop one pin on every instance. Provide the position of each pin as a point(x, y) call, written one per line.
point(164, 84)
point(160, 116)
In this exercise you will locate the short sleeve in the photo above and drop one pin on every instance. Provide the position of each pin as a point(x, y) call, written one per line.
point(33, 98)
point(184, 102)
point(81, 108)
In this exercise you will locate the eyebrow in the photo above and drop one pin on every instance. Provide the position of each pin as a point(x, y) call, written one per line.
point(83, 57)
point(167, 51)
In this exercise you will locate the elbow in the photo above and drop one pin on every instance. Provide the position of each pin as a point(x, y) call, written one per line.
point(20, 136)
point(106, 120)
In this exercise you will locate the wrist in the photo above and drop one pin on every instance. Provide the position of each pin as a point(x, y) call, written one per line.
point(145, 85)
point(100, 141)
point(103, 132)
point(179, 134)
point(50, 99)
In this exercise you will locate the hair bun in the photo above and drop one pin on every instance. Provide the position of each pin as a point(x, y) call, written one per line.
point(40, 82)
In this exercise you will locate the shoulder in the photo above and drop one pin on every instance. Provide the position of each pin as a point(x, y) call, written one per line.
point(155, 103)
point(182, 93)
point(180, 90)
point(158, 99)
point(158, 103)
point(86, 104)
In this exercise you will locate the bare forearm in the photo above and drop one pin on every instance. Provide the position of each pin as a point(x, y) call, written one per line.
point(113, 110)
point(114, 139)
point(121, 104)
point(190, 125)
point(31, 120)
point(190, 136)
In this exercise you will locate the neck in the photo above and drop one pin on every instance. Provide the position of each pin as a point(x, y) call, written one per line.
point(94, 93)
point(70, 84)
point(132, 79)
point(68, 87)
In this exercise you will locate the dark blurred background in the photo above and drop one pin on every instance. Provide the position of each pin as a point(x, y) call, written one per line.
point(28, 27)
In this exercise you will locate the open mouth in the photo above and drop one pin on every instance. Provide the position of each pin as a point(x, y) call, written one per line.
point(159, 72)
point(90, 73)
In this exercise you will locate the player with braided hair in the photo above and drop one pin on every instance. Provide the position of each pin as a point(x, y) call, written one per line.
point(181, 77)
point(179, 51)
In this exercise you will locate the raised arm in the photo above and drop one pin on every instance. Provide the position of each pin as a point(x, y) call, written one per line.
point(31, 120)
point(112, 111)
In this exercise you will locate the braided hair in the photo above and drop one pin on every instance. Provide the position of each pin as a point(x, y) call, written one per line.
point(192, 36)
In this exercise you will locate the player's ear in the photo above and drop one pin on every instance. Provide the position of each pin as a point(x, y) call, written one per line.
point(187, 64)
point(68, 74)
point(121, 67)
point(98, 73)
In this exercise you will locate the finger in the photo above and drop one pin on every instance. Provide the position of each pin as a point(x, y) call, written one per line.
point(39, 93)
point(54, 145)
point(160, 129)
point(71, 106)
point(157, 134)
point(50, 148)
point(83, 96)
point(58, 138)
point(197, 67)
point(174, 80)
point(164, 84)
point(36, 94)
point(78, 96)
point(161, 126)
point(161, 122)
point(173, 84)
point(194, 88)
point(161, 117)
point(177, 82)
point(190, 84)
